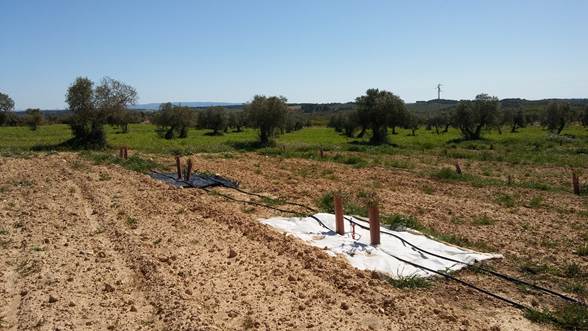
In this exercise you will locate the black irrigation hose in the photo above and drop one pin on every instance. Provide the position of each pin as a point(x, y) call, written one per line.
point(467, 284)
point(492, 272)
point(266, 197)
point(228, 197)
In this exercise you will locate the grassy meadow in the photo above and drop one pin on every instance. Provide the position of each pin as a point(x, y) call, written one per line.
point(532, 145)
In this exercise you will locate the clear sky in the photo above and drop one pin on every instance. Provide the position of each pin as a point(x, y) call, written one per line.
point(307, 50)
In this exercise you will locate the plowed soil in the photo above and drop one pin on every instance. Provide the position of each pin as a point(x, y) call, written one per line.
point(95, 247)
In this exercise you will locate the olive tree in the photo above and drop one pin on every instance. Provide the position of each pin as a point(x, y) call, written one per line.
point(557, 115)
point(86, 121)
point(412, 122)
point(33, 118)
point(6, 106)
point(471, 117)
point(173, 121)
point(379, 110)
point(237, 120)
point(213, 118)
point(438, 121)
point(113, 98)
point(515, 118)
point(91, 107)
point(268, 115)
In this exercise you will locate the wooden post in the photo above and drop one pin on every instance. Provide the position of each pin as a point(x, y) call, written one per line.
point(509, 180)
point(576, 183)
point(179, 166)
point(125, 152)
point(457, 168)
point(339, 225)
point(189, 170)
point(120, 153)
point(374, 216)
point(322, 153)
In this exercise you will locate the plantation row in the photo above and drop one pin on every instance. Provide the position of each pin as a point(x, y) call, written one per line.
point(372, 115)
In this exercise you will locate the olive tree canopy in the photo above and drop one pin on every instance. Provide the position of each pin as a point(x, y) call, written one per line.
point(472, 116)
point(380, 110)
point(267, 114)
point(91, 108)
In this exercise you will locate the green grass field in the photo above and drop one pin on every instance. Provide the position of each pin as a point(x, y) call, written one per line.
point(531, 145)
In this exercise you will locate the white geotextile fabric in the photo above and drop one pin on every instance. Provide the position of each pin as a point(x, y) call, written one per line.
point(363, 256)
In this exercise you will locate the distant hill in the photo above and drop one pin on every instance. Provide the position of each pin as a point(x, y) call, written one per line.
point(192, 104)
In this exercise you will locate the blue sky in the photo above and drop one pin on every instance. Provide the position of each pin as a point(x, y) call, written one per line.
point(308, 51)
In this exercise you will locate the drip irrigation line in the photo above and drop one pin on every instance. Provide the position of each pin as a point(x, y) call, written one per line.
point(228, 197)
point(489, 271)
point(463, 282)
point(270, 198)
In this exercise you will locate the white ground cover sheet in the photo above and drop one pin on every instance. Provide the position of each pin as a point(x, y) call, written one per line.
point(363, 256)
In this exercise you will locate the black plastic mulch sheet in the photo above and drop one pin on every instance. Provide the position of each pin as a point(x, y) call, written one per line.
point(196, 180)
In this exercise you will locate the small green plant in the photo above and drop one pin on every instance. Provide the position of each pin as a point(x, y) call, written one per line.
point(3, 232)
point(532, 268)
point(355, 161)
point(567, 317)
point(272, 201)
point(447, 174)
point(22, 183)
point(505, 200)
point(572, 270)
point(36, 248)
point(457, 220)
point(78, 165)
point(134, 162)
point(132, 222)
point(401, 222)
point(574, 287)
point(483, 220)
point(427, 189)
point(582, 250)
point(104, 177)
point(410, 282)
point(535, 202)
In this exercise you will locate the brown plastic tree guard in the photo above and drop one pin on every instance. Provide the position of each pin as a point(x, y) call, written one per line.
point(179, 166)
point(339, 225)
point(374, 217)
point(189, 171)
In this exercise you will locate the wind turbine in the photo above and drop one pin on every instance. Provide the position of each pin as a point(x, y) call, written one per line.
point(439, 91)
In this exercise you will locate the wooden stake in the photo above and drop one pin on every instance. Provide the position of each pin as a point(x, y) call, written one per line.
point(179, 166)
point(339, 225)
point(374, 216)
point(322, 153)
point(125, 152)
point(189, 170)
point(457, 168)
point(120, 153)
point(509, 180)
point(576, 183)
